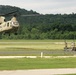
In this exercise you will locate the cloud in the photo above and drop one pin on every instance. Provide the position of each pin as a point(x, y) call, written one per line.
point(44, 6)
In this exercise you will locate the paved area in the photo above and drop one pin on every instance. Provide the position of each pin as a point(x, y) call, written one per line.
point(40, 72)
point(1, 57)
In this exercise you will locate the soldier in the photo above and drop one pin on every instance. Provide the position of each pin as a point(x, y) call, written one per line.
point(65, 48)
point(65, 44)
point(73, 46)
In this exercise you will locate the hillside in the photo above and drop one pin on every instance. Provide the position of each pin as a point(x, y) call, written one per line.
point(6, 9)
point(49, 26)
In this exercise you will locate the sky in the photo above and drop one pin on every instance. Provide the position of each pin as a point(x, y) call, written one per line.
point(44, 6)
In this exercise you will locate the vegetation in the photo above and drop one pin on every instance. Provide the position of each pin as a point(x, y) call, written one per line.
point(48, 26)
point(34, 48)
point(28, 47)
point(38, 63)
point(33, 44)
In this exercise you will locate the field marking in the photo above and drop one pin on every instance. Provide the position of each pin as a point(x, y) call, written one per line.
point(1, 57)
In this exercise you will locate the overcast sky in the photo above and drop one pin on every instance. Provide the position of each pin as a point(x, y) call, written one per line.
point(44, 6)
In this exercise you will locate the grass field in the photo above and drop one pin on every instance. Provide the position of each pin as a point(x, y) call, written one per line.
point(27, 63)
point(32, 44)
point(33, 47)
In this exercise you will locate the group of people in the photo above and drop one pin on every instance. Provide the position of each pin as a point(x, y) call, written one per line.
point(72, 46)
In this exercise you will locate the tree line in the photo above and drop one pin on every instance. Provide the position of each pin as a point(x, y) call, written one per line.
point(48, 26)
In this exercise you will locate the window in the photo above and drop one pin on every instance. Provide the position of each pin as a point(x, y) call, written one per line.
point(0, 26)
point(7, 24)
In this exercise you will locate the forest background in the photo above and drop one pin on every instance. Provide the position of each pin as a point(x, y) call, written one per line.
point(48, 26)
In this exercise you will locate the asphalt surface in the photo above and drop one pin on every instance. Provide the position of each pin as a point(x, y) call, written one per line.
point(35, 52)
point(40, 72)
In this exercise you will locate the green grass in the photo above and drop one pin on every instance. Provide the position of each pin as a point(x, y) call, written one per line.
point(33, 44)
point(38, 63)
point(14, 47)
point(34, 40)
point(10, 46)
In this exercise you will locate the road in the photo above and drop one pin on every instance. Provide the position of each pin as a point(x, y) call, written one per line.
point(40, 72)
point(35, 52)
